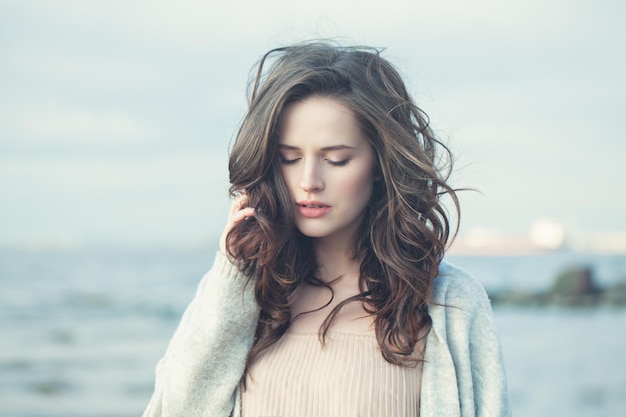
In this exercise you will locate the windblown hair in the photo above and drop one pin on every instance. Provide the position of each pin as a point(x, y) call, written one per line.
point(405, 230)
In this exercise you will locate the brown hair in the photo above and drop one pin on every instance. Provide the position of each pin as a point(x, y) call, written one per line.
point(406, 229)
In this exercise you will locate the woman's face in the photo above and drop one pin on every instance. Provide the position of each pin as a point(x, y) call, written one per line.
point(328, 165)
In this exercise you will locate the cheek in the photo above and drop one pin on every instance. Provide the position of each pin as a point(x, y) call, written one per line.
point(360, 184)
point(288, 177)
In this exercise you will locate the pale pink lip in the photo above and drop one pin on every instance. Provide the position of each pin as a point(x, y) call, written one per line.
point(312, 209)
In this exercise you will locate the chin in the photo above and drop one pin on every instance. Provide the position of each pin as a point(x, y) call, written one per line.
point(314, 234)
point(312, 231)
point(321, 232)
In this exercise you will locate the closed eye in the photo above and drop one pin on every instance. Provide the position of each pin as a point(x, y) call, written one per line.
point(286, 161)
point(338, 163)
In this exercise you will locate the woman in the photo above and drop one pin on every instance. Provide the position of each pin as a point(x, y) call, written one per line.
point(329, 296)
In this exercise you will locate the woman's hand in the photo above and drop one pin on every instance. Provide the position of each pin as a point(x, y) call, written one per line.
point(239, 211)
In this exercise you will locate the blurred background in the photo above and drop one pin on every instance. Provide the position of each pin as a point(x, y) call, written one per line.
point(115, 124)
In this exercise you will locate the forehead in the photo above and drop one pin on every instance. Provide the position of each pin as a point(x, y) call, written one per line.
point(322, 120)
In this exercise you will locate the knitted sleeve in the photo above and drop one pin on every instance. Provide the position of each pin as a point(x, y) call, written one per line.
point(206, 357)
point(474, 346)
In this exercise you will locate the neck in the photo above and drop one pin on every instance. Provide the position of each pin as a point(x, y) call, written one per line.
point(335, 259)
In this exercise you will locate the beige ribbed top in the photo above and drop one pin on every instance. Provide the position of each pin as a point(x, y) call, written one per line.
point(297, 377)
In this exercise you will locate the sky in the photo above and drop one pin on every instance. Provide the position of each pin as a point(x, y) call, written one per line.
point(116, 117)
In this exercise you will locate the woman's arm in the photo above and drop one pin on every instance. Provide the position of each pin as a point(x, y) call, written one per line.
point(206, 357)
point(487, 363)
point(464, 371)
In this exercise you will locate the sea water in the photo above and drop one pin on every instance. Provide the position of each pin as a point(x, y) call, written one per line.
point(81, 332)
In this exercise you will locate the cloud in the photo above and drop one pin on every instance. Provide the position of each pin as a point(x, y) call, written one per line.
point(37, 125)
point(110, 111)
point(157, 199)
point(192, 23)
point(90, 66)
point(103, 175)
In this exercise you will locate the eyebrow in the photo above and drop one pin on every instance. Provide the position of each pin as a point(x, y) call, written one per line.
point(324, 149)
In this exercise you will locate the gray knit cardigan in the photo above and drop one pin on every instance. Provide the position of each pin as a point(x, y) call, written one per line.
point(463, 375)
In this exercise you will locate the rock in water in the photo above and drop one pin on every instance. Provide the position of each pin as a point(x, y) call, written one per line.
point(575, 282)
point(575, 287)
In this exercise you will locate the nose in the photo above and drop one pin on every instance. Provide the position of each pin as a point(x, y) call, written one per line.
point(311, 179)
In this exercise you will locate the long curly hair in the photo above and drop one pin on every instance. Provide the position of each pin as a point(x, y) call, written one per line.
point(405, 230)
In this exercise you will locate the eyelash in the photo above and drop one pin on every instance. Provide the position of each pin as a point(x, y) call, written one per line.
point(333, 163)
point(288, 161)
point(338, 163)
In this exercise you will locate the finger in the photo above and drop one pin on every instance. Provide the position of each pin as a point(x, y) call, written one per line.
point(243, 201)
point(242, 215)
point(238, 203)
